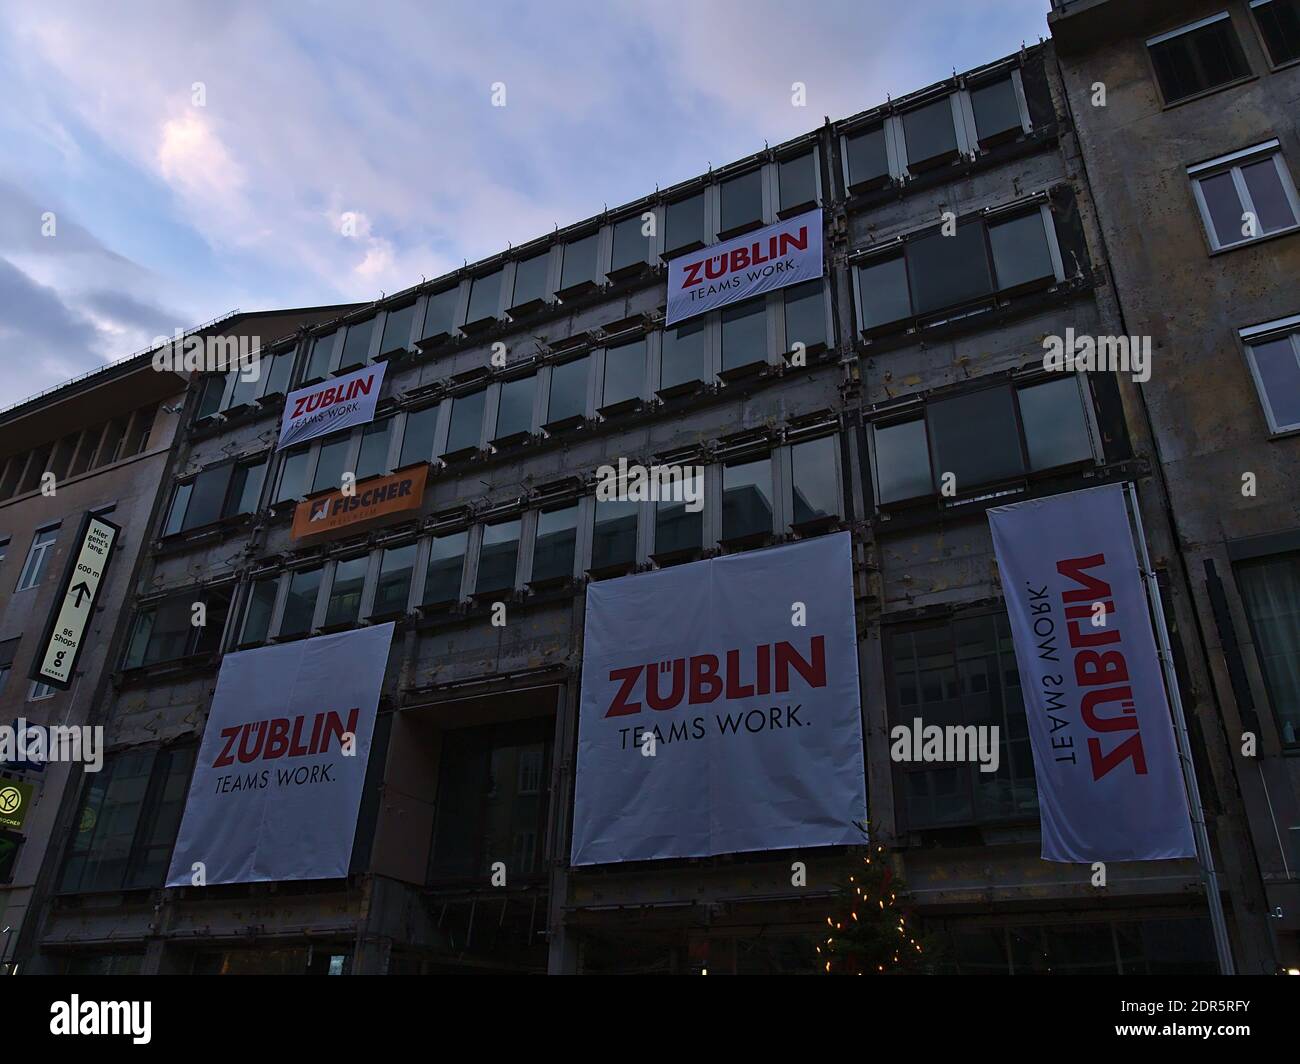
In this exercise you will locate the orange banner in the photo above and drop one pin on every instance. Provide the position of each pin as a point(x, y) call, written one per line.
point(374, 498)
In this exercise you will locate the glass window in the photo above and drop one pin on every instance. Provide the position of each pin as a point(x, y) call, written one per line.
point(213, 388)
point(395, 572)
point(344, 605)
point(322, 350)
point(446, 561)
point(902, 461)
point(682, 358)
point(300, 606)
point(38, 558)
point(867, 157)
point(180, 501)
point(498, 557)
point(261, 603)
point(1248, 201)
point(440, 314)
point(109, 447)
point(678, 528)
point(882, 287)
point(974, 437)
point(246, 488)
point(816, 486)
point(744, 333)
point(331, 464)
point(557, 537)
point(208, 497)
point(798, 180)
point(530, 279)
point(1020, 251)
point(1270, 590)
point(1276, 367)
point(685, 224)
point(1056, 432)
point(245, 390)
point(629, 244)
point(568, 391)
point(948, 270)
point(742, 200)
point(1279, 25)
point(929, 133)
point(397, 329)
point(466, 422)
point(996, 108)
point(624, 372)
point(805, 315)
point(373, 457)
point(1197, 59)
point(417, 437)
point(278, 372)
point(293, 474)
point(166, 631)
point(747, 499)
point(579, 262)
point(515, 408)
point(484, 297)
point(613, 541)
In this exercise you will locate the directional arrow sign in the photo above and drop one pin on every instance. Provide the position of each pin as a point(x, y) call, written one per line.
point(65, 633)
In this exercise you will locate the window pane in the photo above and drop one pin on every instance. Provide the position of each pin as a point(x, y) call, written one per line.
point(568, 390)
point(176, 517)
point(446, 560)
point(798, 180)
point(624, 372)
point(902, 462)
point(373, 457)
point(530, 279)
point(440, 314)
point(579, 262)
point(1279, 377)
point(115, 825)
point(245, 390)
point(515, 407)
point(929, 132)
point(257, 618)
point(974, 437)
point(395, 571)
point(1020, 251)
point(613, 539)
point(629, 243)
point(1196, 61)
point(676, 527)
point(1272, 208)
point(466, 422)
point(322, 348)
point(996, 108)
point(805, 315)
point(214, 387)
point(498, 556)
point(557, 535)
point(682, 359)
point(330, 466)
point(159, 824)
point(484, 297)
point(742, 200)
point(1056, 433)
point(1279, 22)
point(345, 592)
point(356, 344)
point(816, 487)
point(246, 488)
point(293, 475)
point(744, 334)
point(300, 606)
point(685, 223)
point(1224, 205)
point(417, 437)
point(867, 156)
point(397, 328)
point(1270, 589)
point(278, 372)
point(948, 270)
point(747, 499)
point(883, 288)
point(208, 496)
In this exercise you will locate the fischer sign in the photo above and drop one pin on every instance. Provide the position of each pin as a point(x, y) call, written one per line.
point(789, 252)
point(379, 497)
point(330, 405)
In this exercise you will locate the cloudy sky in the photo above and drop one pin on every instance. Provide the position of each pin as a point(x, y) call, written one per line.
point(194, 158)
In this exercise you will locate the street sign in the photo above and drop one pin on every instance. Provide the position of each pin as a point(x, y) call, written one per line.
point(60, 646)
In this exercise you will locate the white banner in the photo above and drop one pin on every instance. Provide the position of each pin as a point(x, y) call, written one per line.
point(278, 780)
point(786, 253)
point(719, 709)
point(1110, 785)
point(330, 405)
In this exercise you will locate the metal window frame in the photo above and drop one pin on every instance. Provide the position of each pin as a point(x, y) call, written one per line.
point(1250, 338)
point(1232, 164)
point(29, 570)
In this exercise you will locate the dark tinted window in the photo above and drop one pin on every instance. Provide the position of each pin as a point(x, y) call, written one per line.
point(344, 604)
point(867, 157)
point(629, 243)
point(974, 437)
point(678, 528)
point(498, 557)
point(1279, 22)
point(1272, 207)
point(557, 535)
point(685, 223)
point(373, 457)
point(176, 515)
point(515, 408)
point(1020, 251)
point(1270, 591)
point(798, 180)
point(1198, 60)
point(417, 439)
point(322, 349)
point(530, 279)
point(742, 200)
point(624, 372)
point(278, 372)
point(579, 261)
point(805, 315)
point(816, 487)
point(440, 314)
point(397, 328)
point(902, 461)
point(466, 422)
point(394, 585)
point(1056, 433)
point(245, 488)
point(213, 388)
point(208, 496)
point(330, 464)
point(356, 344)
point(744, 333)
point(300, 606)
point(446, 561)
point(929, 132)
point(682, 358)
point(246, 389)
point(947, 270)
point(747, 499)
point(882, 285)
point(257, 617)
point(996, 108)
point(568, 390)
point(484, 297)
point(293, 474)
point(613, 540)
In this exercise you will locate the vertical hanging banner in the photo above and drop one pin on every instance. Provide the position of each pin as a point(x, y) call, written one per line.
point(719, 709)
point(330, 405)
point(1110, 785)
point(277, 785)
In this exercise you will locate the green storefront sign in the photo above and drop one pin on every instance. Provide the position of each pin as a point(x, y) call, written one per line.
point(15, 797)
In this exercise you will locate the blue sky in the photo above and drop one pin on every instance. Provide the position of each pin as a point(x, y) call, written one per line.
point(169, 212)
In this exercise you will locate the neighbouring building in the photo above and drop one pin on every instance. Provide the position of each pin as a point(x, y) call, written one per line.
point(1186, 116)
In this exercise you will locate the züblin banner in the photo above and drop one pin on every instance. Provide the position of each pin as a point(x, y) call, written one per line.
point(278, 780)
point(330, 405)
point(720, 710)
point(1110, 785)
point(788, 252)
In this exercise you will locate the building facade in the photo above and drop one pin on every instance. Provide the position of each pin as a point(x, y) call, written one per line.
point(1193, 157)
point(896, 398)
